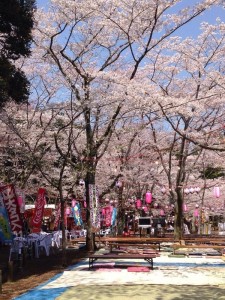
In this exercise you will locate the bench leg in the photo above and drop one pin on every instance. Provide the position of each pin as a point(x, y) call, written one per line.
point(91, 262)
point(150, 260)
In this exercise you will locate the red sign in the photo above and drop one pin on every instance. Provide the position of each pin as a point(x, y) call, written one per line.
point(30, 212)
point(38, 211)
point(108, 216)
point(12, 207)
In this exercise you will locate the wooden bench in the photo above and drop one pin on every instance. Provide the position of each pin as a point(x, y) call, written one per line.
point(196, 246)
point(149, 246)
point(204, 241)
point(148, 257)
point(78, 240)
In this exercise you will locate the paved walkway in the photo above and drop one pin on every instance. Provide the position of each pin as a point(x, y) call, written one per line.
point(172, 278)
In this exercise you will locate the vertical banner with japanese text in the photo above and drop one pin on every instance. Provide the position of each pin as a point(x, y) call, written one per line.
point(94, 207)
point(11, 205)
point(38, 211)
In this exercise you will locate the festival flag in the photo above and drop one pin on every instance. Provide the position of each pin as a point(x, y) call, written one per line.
point(76, 210)
point(38, 211)
point(5, 230)
point(13, 211)
point(108, 215)
point(94, 207)
point(114, 214)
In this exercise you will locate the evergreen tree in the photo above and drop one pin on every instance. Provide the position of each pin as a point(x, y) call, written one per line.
point(16, 23)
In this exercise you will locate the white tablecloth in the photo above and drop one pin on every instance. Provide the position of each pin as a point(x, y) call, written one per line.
point(41, 240)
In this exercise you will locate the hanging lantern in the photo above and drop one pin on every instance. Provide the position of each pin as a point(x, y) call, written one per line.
point(155, 205)
point(145, 209)
point(138, 203)
point(162, 213)
point(216, 191)
point(185, 208)
point(81, 182)
point(148, 197)
point(68, 210)
point(191, 190)
point(196, 213)
point(197, 189)
point(163, 190)
point(119, 184)
point(186, 191)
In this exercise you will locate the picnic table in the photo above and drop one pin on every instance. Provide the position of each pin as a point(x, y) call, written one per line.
point(197, 246)
point(147, 257)
point(149, 247)
point(153, 241)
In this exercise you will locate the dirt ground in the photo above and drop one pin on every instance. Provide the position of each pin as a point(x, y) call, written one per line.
point(37, 271)
point(34, 271)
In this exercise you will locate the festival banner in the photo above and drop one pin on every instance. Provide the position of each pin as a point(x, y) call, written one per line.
point(5, 230)
point(84, 215)
point(94, 207)
point(76, 210)
point(12, 208)
point(108, 215)
point(114, 215)
point(38, 211)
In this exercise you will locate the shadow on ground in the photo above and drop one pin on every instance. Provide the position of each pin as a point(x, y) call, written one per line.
point(144, 292)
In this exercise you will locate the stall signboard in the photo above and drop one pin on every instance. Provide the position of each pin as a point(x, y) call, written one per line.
point(39, 211)
point(12, 208)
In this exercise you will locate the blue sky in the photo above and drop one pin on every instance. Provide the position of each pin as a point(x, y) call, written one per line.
point(192, 28)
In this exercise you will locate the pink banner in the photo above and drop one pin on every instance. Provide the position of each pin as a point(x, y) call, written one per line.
point(108, 216)
point(38, 211)
point(12, 207)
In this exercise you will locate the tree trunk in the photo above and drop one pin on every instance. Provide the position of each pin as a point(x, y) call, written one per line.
point(178, 222)
point(121, 212)
point(90, 238)
point(62, 202)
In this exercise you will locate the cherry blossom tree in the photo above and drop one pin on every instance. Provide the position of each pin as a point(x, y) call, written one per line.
point(97, 50)
point(190, 106)
point(37, 154)
point(101, 57)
